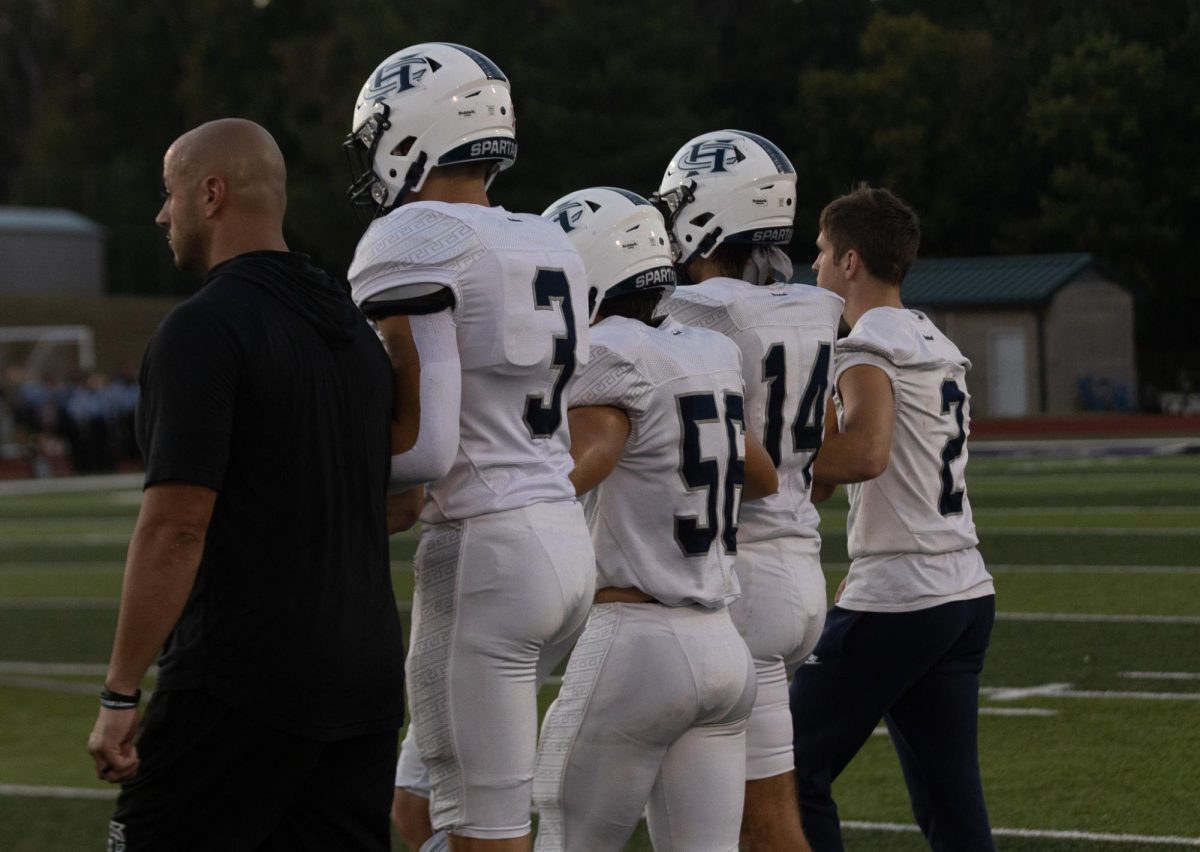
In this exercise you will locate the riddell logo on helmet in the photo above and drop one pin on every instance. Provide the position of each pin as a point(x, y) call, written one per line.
point(500, 147)
point(772, 235)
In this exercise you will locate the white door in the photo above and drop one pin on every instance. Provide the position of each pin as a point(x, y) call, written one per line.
point(1007, 377)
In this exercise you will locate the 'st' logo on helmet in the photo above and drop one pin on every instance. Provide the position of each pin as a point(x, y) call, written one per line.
point(713, 155)
point(399, 76)
point(567, 215)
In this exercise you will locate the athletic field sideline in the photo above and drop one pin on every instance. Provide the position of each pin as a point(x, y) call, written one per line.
point(1088, 711)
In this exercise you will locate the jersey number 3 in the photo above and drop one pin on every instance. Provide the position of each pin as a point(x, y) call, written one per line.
point(549, 287)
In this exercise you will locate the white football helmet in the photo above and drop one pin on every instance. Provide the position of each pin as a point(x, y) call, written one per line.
point(622, 239)
point(729, 186)
point(428, 105)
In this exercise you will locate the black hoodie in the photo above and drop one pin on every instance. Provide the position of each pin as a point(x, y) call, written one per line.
point(269, 387)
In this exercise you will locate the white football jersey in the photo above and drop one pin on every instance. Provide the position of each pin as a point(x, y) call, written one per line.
point(520, 306)
point(664, 520)
point(912, 540)
point(786, 334)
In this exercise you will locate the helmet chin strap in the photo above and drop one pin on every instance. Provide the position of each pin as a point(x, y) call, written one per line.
point(411, 178)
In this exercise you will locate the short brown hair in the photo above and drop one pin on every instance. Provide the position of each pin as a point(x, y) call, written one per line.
point(878, 225)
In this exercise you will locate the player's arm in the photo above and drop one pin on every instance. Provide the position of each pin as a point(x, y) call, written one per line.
point(861, 448)
point(404, 508)
point(598, 436)
point(164, 556)
point(419, 334)
point(762, 480)
point(821, 491)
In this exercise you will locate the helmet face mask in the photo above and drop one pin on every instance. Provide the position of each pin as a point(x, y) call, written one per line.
point(621, 238)
point(729, 186)
point(429, 105)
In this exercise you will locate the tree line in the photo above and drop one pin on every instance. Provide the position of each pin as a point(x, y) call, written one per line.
point(1012, 127)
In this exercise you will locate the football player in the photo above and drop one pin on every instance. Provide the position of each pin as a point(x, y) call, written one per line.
point(730, 201)
point(907, 636)
point(652, 711)
point(484, 314)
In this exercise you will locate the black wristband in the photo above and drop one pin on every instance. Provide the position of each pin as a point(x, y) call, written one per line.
point(117, 701)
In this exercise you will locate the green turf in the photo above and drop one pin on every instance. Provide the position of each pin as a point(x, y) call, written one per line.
point(1112, 764)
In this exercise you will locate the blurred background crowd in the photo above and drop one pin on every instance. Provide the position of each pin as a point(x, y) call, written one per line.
point(82, 423)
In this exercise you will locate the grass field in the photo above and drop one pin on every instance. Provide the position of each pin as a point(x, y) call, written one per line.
point(1089, 713)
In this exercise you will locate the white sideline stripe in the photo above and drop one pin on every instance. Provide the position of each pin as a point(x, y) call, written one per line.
point(1017, 568)
point(23, 667)
point(48, 685)
point(1040, 712)
point(67, 484)
point(1096, 531)
point(1084, 510)
point(1160, 675)
point(58, 603)
point(1064, 690)
point(1099, 837)
point(66, 540)
point(1093, 569)
point(28, 791)
point(1097, 618)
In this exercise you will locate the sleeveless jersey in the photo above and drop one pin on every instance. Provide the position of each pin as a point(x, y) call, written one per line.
point(786, 334)
point(520, 309)
point(665, 519)
point(912, 540)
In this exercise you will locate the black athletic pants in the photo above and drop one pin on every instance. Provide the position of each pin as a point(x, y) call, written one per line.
point(211, 778)
point(918, 671)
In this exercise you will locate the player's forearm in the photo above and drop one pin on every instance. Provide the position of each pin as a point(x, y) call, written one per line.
point(164, 557)
point(762, 480)
point(847, 457)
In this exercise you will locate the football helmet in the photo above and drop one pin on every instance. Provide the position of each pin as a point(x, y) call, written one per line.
point(729, 186)
point(429, 105)
point(622, 239)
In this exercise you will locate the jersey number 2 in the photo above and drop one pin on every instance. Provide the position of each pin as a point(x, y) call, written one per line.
point(700, 473)
point(550, 286)
point(950, 501)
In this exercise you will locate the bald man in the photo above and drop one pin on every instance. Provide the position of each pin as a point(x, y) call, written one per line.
point(258, 568)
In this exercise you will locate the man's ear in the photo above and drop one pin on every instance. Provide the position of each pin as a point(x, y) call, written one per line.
point(213, 189)
point(851, 263)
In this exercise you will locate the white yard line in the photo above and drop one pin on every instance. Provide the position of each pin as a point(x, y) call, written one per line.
point(23, 667)
point(1090, 569)
point(1040, 712)
point(68, 484)
point(48, 685)
point(1048, 834)
point(65, 540)
point(58, 603)
point(1160, 675)
point(28, 791)
point(1084, 510)
point(1097, 618)
point(1064, 690)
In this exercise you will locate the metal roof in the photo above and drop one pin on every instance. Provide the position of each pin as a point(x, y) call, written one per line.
point(985, 281)
point(46, 220)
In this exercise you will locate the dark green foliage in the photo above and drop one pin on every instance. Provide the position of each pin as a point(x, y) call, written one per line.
point(1012, 127)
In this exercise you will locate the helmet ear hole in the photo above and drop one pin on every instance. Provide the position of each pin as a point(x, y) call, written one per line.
point(701, 220)
point(402, 149)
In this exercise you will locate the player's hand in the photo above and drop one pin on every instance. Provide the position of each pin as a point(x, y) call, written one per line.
point(111, 745)
point(837, 596)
